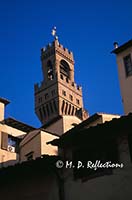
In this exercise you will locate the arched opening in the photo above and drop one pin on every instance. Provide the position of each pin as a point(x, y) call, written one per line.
point(50, 70)
point(51, 107)
point(55, 106)
point(66, 108)
point(40, 113)
point(63, 105)
point(65, 69)
point(69, 111)
point(72, 110)
point(47, 108)
point(44, 112)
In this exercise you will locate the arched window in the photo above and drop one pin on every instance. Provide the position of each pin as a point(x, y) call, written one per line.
point(50, 70)
point(49, 64)
point(65, 69)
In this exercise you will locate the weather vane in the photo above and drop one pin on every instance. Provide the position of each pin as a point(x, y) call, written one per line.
point(54, 33)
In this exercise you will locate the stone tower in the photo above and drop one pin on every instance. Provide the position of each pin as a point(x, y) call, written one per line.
point(58, 99)
point(124, 62)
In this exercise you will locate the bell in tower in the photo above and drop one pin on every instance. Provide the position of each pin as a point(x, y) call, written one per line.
point(58, 99)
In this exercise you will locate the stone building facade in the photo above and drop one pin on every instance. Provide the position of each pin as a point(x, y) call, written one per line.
point(124, 63)
point(58, 94)
point(11, 133)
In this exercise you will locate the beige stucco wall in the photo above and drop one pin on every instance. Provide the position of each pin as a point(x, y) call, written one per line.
point(6, 157)
point(31, 143)
point(12, 131)
point(125, 82)
point(56, 127)
point(111, 187)
point(95, 122)
point(103, 118)
point(48, 149)
point(35, 142)
point(63, 124)
point(109, 117)
point(68, 121)
point(1, 111)
point(116, 186)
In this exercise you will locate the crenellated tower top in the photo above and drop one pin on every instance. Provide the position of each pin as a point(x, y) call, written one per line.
point(58, 94)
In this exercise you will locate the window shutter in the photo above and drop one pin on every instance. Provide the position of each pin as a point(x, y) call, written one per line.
point(4, 142)
point(17, 145)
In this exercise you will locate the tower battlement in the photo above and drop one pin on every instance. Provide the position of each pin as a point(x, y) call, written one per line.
point(58, 94)
point(77, 88)
point(42, 85)
point(56, 46)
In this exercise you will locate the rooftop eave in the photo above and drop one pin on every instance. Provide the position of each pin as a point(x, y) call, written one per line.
point(122, 47)
point(17, 124)
point(5, 101)
point(113, 128)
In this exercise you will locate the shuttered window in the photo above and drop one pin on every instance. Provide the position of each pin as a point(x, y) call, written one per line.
point(4, 140)
point(128, 65)
point(9, 142)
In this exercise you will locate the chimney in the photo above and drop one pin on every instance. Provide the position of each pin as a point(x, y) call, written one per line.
point(3, 103)
point(115, 45)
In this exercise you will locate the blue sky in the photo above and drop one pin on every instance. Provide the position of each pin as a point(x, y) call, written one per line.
point(88, 28)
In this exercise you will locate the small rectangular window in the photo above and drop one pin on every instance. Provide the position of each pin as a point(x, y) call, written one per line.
point(64, 92)
point(10, 143)
point(73, 84)
point(13, 144)
point(71, 97)
point(61, 76)
point(40, 99)
point(77, 101)
point(46, 96)
point(67, 80)
point(128, 65)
